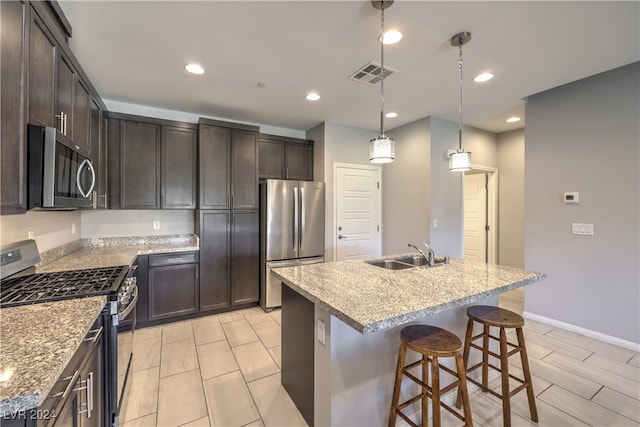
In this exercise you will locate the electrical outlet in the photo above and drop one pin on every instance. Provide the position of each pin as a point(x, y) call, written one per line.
point(31, 234)
point(73, 228)
point(156, 225)
point(435, 223)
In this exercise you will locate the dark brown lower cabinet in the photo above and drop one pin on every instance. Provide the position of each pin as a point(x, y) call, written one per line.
point(173, 285)
point(229, 273)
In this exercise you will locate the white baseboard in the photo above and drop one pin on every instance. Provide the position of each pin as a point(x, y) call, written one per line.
point(629, 345)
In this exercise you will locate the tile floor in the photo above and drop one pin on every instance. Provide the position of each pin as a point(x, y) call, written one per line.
point(224, 370)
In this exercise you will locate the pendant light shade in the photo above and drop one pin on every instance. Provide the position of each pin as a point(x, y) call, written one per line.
point(382, 149)
point(460, 160)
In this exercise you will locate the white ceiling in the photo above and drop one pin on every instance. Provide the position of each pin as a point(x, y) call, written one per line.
point(135, 51)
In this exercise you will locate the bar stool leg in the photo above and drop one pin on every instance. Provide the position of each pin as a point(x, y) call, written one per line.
point(504, 373)
point(435, 392)
point(397, 384)
point(465, 357)
point(527, 375)
point(485, 358)
point(463, 393)
point(425, 391)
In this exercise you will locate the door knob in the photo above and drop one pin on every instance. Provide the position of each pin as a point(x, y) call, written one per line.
point(340, 236)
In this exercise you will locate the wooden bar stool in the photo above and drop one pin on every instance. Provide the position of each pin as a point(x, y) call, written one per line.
point(489, 316)
point(431, 342)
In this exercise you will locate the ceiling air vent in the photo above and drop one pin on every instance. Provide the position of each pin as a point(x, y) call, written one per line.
point(370, 73)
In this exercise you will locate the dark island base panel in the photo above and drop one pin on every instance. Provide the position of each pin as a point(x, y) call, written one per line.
point(298, 335)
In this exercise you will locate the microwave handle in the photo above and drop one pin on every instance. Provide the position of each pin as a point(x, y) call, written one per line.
point(93, 178)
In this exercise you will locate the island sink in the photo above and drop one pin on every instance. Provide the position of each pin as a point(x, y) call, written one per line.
point(408, 261)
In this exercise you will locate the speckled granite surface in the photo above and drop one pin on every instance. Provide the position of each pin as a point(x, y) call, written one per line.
point(370, 298)
point(37, 343)
point(109, 252)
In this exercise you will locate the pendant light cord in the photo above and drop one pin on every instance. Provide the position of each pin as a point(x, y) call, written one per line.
point(382, 69)
point(460, 98)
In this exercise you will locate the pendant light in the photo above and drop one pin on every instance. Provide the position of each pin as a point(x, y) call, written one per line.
point(460, 160)
point(382, 149)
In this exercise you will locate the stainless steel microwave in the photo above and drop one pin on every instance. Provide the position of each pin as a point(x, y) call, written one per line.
point(60, 173)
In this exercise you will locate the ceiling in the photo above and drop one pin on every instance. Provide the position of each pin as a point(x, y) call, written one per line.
point(135, 51)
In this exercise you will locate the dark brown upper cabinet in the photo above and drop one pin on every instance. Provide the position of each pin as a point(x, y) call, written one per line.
point(179, 168)
point(228, 165)
point(286, 158)
point(152, 163)
point(14, 52)
point(41, 79)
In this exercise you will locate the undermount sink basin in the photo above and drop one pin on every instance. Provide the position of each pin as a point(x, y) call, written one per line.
point(416, 260)
point(407, 261)
point(390, 264)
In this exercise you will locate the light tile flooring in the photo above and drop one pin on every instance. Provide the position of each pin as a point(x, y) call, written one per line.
point(224, 370)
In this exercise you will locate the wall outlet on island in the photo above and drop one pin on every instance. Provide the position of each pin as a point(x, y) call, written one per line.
point(321, 332)
point(73, 228)
point(156, 225)
point(31, 235)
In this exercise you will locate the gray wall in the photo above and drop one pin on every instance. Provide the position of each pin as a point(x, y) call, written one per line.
point(341, 144)
point(406, 188)
point(511, 198)
point(584, 137)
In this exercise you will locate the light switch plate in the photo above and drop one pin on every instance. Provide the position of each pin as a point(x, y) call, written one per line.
point(582, 229)
point(321, 332)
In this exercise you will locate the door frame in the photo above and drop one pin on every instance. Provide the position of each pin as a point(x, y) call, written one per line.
point(334, 233)
point(492, 210)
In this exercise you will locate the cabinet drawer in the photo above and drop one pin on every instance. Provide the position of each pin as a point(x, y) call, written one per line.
point(173, 258)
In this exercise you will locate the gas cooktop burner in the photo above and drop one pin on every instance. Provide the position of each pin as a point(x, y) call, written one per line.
point(45, 287)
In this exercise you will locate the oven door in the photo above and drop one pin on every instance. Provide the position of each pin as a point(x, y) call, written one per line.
point(122, 331)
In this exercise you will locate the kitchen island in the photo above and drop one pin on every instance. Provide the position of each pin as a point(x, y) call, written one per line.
point(341, 325)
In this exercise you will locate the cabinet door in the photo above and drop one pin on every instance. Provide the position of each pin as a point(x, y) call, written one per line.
point(65, 95)
point(139, 165)
point(245, 280)
point(213, 229)
point(173, 291)
point(244, 170)
point(42, 60)
point(13, 51)
point(271, 154)
point(99, 153)
point(214, 150)
point(82, 117)
point(92, 397)
point(113, 163)
point(299, 161)
point(178, 168)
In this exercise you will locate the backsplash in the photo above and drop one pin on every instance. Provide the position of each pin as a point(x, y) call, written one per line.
point(50, 228)
point(53, 229)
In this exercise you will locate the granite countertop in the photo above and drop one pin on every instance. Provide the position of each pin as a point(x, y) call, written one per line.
point(110, 252)
point(38, 341)
point(370, 298)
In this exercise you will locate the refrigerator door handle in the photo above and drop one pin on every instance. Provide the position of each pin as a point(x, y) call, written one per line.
point(296, 213)
point(302, 221)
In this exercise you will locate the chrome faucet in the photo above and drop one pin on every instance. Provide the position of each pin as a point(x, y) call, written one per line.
point(431, 259)
point(426, 257)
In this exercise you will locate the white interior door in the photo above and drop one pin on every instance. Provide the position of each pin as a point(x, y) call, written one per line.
point(358, 212)
point(475, 216)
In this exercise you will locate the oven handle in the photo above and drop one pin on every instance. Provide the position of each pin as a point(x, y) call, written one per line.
point(132, 304)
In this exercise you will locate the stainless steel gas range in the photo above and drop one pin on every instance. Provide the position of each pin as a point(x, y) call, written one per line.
point(21, 285)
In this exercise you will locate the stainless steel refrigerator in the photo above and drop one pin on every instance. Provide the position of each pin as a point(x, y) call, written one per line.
point(291, 231)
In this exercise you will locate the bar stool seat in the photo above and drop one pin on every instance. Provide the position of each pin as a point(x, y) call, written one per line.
point(432, 343)
point(490, 316)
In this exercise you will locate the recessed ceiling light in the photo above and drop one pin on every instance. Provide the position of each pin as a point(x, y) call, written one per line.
point(312, 96)
point(391, 37)
point(194, 68)
point(513, 119)
point(483, 77)
point(391, 115)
